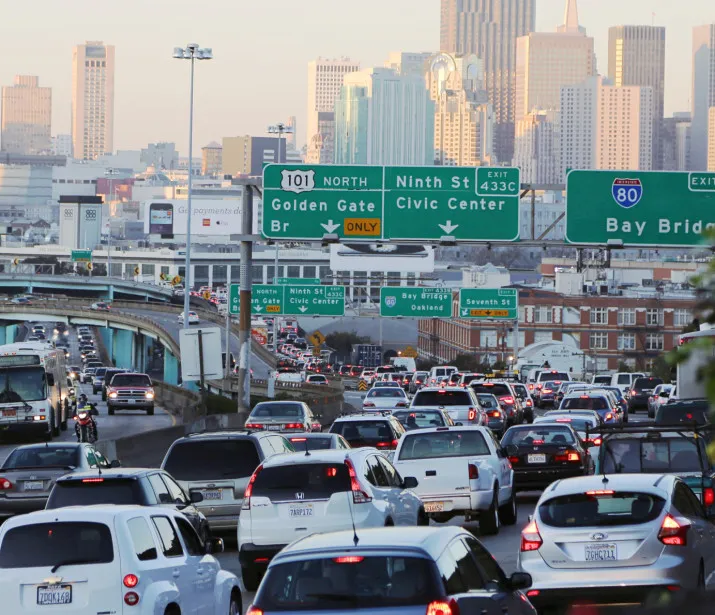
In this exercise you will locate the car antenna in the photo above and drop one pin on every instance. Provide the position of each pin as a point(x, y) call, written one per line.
point(307, 450)
point(348, 494)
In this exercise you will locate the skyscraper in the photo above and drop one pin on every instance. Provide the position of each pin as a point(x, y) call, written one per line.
point(489, 30)
point(703, 93)
point(92, 100)
point(26, 117)
point(636, 56)
point(677, 131)
point(325, 78)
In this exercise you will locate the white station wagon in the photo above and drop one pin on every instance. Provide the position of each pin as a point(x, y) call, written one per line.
point(111, 559)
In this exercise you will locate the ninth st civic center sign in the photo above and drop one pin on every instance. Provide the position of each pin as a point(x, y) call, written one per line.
point(639, 208)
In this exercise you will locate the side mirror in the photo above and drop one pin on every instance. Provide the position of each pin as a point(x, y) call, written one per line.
point(409, 482)
point(215, 545)
point(520, 580)
point(196, 497)
point(50, 380)
point(459, 424)
point(512, 450)
point(115, 464)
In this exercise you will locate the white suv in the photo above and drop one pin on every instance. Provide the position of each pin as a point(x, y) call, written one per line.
point(111, 559)
point(291, 496)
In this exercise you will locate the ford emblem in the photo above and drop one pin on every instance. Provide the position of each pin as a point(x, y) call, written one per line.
point(599, 536)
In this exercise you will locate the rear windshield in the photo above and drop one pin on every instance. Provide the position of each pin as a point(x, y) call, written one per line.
point(386, 392)
point(543, 376)
point(677, 455)
point(37, 457)
point(314, 444)
point(212, 460)
point(49, 544)
point(646, 383)
point(442, 398)
point(469, 378)
point(131, 380)
point(520, 391)
point(487, 401)
point(672, 414)
point(584, 403)
point(528, 436)
point(279, 410)
point(450, 443)
point(363, 430)
point(347, 584)
point(584, 510)
point(420, 419)
point(601, 379)
point(98, 491)
point(579, 424)
point(624, 379)
point(500, 390)
point(100, 371)
point(315, 481)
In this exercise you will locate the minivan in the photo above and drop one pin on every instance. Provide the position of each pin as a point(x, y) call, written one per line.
point(440, 371)
point(625, 380)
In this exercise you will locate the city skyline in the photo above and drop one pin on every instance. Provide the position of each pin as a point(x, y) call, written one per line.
point(152, 89)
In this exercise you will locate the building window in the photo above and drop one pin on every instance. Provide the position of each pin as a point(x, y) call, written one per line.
point(599, 316)
point(654, 316)
point(599, 341)
point(654, 341)
point(543, 314)
point(626, 341)
point(682, 318)
point(627, 316)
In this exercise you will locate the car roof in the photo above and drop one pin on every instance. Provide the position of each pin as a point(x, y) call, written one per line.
point(585, 393)
point(328, 455)
point(311, 435)
point(432, 389)
point(222, 434)
point(429, 430)
point(362, 416)
point(657, 484)
point(111, 473)
point(48, 445)
point(428, 540)
point(93, 513)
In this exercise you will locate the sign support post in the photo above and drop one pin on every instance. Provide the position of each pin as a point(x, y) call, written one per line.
point(244, 318)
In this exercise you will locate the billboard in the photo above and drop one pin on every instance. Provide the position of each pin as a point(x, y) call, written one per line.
point(80, 222)
point(208, 217)
point(381, 257)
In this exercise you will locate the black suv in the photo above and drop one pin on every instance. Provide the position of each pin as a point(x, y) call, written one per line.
point(139, 486)
point(642, 389)
point(375, 429)
point(108, 375)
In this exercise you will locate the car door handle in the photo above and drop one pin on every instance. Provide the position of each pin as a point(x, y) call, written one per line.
point(199, 571)
point(176, 573)
point(431, 473)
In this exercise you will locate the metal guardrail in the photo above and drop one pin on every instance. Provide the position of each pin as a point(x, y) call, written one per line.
point(70, 280)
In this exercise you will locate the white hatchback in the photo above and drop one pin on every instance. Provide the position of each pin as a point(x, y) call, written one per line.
point(112, 559)
point(291, 496)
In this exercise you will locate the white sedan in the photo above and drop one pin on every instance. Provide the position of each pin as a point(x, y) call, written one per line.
point(193, 318)
point(385, 398)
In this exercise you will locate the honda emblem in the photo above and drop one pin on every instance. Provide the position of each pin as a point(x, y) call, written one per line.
point(300, 495)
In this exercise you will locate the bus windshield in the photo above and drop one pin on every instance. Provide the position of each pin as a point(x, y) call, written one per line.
point(22, 384)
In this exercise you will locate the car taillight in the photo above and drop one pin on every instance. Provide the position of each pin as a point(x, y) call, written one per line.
point(529, 403)
point(473, 472)
point(294, 426)
point(531, 387)
point(368, 404)
point(349, 559)
point(254, 610)
point(673, 533)
point(131, 598)
point(254, 426)
point(130, 580)
point(5, 484)
point(359, 495)
point(708, 496)
point(508, 399)
point(595, 441)
point(392, 444)
point(440, 607)
point(530, 538)
point(249, 489)
point(568, 456)
point(92, 480)
point(546, 391)
point(513, 459)
point(634, 392)
point(496, 414)
point(400, 404)
point(472, 414)
point(538, 387)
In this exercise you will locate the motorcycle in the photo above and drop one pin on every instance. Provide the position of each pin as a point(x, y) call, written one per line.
point(85, 425)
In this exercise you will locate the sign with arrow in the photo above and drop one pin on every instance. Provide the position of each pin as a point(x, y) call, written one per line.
point(369, 203)
point(489, 303)
point(293, 300)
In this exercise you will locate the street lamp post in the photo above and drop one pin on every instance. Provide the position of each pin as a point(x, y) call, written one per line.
point(109, 173)
point(191, 52)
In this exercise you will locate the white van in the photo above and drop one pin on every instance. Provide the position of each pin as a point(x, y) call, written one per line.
point(602, 379)
point(439, 372)
point(625, 380)
point(407, 364)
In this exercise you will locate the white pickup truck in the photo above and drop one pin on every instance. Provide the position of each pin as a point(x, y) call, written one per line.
point(460, 471)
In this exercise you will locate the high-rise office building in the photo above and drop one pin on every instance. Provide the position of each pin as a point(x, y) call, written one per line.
point(636, 56)
point(489, 30)
point(703, 97)
point(325, 78)
point(212, 159)
point(25, 127)
point(537, 148)
point(711, 140)
point(92, 100)
point(291, 136)
point(677, 132)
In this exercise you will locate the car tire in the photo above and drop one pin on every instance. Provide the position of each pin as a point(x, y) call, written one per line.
point(55, 427)
point(489, 519)
point(110, 410)
point(104, 397)
point(422, 518)
point(509, 512)
point(251, 578)
point(150, 410)
point(234, 606)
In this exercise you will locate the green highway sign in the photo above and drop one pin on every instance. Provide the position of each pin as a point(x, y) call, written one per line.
point(368, 203)
point(639, 208)
point(298, 281)
point(489, 303)
point(294, 300)
point(403, 301)
point(81, 256)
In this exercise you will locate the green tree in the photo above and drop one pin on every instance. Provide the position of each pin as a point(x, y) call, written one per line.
point(466, 363)
point(623, 367)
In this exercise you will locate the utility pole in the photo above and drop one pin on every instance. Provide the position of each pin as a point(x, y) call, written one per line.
point(244, 316)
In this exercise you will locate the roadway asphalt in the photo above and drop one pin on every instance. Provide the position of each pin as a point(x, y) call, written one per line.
point(122, 424)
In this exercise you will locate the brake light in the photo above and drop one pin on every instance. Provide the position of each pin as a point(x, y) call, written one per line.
point(348, 559)
point(538, 386)
point(473, 472)
point(254, 426)
point(496, 414)
point(131, 580)
point(634, 392)
point(583, 396)
point(513, 459)
point(530, 538)
point(529, 403)
point(537, 442)
point(609, 417)
point(368, 404)
point(440, 607)
point(92, 480)
point(400, 404)
point(331, 472)
point(507, 399)
point(131, 598)
point(595, 441)
point(392, 444)
point(298, 439)
point(532, 593)
point(547, 391)
point(531, 387)
point(563, 420)
point(359, 495)
point(294, 426)
point(673, 533)
point(249, 489)
point(568, 456)
point(254, 610)
point(5, 484)
point(708, 496)
point(472, 414)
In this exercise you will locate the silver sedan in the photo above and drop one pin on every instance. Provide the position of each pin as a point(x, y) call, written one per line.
point(385, 398)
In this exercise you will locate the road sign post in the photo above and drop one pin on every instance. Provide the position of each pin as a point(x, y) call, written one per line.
point(406, 302)
point(489, 303)
point(639, 208)
point(291, 300)
point(367, 203)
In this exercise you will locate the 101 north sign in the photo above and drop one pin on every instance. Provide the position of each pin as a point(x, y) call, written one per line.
point(309, 202)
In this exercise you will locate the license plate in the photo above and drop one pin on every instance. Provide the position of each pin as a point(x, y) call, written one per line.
point(434, 506)
point(301, 511)
point(215, 494)
point(8, 413)
point(56, 594)
point(274, 428)
point(601, 552)
point(33, 484)
point(539, 458)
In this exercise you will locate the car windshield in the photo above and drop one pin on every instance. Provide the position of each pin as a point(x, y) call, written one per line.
point(42, 456)
point(493, 388)
point(584, 402)
point(677, 455)
point(18, 384)
point(212, 459)
point(45, 545)
point(277, 410)
point(551, 375)
point(349, 583)
point(443, 397)
point(452, 443)
point(97, 490)
point(131, 380)
point(488, 402)
point(315, 481)
point(528, 436)
point(599, 510)
point(425, 418)
point(386, 392)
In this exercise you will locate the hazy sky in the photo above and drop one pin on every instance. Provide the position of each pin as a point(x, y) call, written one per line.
point(261, 50)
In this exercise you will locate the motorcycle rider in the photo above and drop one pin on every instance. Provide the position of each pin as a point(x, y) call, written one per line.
point(85, 418)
